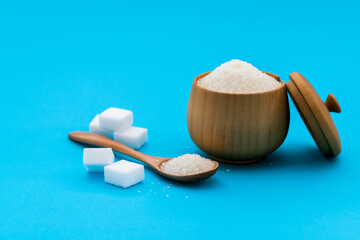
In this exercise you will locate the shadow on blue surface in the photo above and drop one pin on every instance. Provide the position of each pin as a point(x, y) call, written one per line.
point(94, 177)
point(302, 157)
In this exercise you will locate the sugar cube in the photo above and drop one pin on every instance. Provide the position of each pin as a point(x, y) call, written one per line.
point(124, 173)
point(94, 127)
point(133, 137)
point(116, 119)
point(95, 159)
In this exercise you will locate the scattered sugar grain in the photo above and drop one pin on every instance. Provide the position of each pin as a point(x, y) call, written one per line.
point(187, 164)
point(238, 76)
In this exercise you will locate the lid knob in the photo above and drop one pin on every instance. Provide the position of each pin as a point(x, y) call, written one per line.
point(332, 104)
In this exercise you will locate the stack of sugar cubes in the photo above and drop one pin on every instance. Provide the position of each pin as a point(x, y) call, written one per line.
point(116, 123)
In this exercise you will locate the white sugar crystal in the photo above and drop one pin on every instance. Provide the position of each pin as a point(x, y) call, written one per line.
point(133, 137)
point(94, 127)
point(95, 159)
point(124, 173)
point(237, 76)
point(187, 164)
point(116, 119)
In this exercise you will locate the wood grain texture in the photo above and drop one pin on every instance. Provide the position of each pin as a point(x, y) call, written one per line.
point(332, 104)
point(315, 114)
point(154, 162)
point(238, 128)
point(308, 118)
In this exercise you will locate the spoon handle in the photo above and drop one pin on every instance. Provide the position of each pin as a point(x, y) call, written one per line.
point(101, 141)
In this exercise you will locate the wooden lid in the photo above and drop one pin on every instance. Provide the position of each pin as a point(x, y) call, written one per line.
point(316, 114)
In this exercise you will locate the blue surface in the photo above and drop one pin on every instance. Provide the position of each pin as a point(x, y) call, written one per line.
point(60, 64)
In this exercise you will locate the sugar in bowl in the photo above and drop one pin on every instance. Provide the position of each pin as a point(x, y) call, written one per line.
point(238, 114)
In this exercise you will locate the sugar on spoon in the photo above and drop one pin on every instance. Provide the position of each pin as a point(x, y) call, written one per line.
point(154, 162)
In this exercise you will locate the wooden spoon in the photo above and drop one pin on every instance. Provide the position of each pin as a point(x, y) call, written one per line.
point(153, 162)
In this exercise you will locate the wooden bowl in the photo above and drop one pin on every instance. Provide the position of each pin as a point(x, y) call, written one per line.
point(238, 128)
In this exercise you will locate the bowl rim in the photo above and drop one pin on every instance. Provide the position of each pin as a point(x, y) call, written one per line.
point(276, 77)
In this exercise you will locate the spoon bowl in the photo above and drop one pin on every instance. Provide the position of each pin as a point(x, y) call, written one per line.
point(154, 162)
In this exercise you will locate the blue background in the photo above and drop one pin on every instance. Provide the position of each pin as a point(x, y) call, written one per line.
point(63, 63)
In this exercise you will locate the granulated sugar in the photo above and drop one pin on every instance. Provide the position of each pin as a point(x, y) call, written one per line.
point(187, 164)
point(237, 76)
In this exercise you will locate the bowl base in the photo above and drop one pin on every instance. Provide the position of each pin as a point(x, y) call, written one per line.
point(238, 162)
